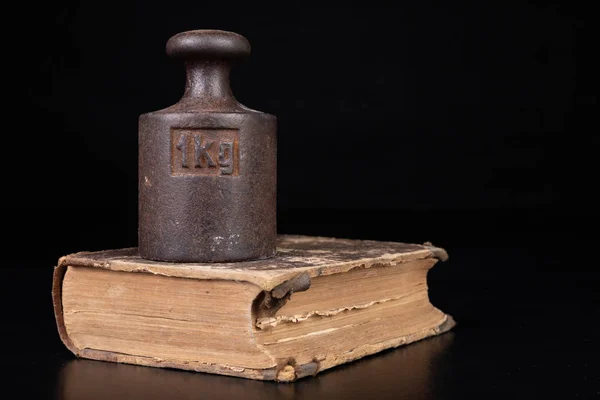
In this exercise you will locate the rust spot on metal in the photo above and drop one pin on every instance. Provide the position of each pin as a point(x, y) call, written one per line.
point(299, 283)
point(268, 303)
point(437, 252)
point(309, 369)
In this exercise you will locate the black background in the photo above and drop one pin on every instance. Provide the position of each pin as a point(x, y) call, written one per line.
point(471, 125)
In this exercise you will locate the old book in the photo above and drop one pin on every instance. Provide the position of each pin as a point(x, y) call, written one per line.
point(319, 303)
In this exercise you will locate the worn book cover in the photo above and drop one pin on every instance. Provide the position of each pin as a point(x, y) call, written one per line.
point(319, 303)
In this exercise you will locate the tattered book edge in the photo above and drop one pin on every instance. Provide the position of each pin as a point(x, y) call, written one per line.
point(280, 373)
point(126, 260)
point(299, 280)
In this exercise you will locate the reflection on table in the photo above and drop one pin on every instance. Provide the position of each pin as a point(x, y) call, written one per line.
point(405, 372)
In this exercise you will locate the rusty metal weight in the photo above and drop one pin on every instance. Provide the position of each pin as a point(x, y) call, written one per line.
point(207, 164)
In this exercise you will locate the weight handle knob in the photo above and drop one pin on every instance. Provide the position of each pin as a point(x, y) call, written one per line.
point(208, 56)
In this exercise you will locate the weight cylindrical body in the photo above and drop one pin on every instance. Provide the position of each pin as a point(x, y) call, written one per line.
point(207, 165)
